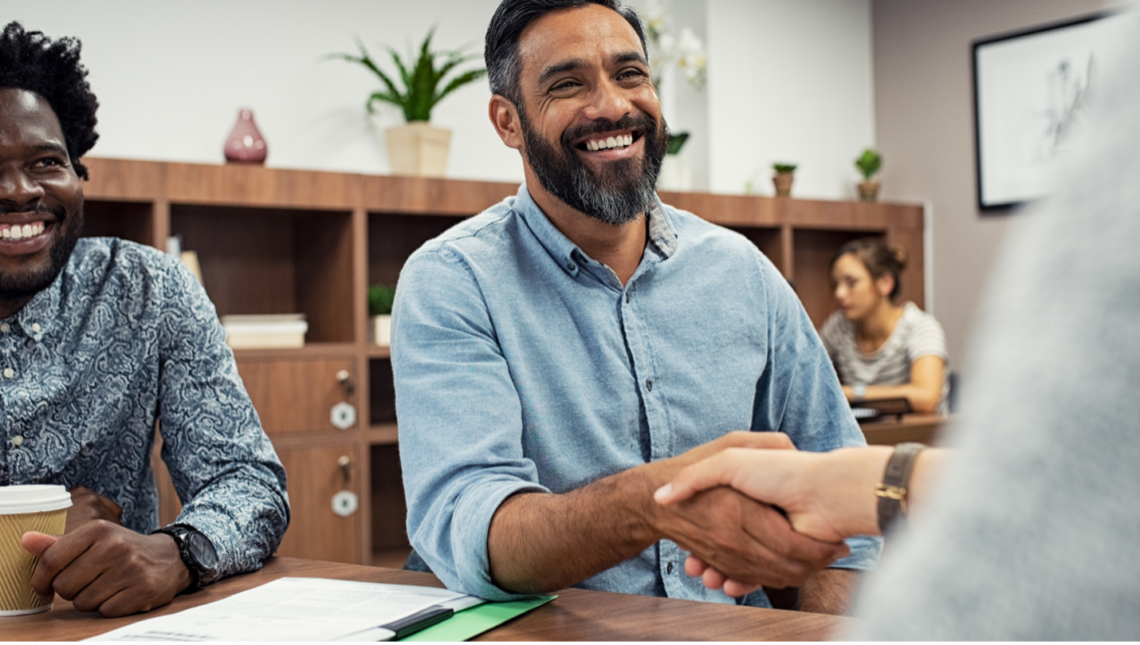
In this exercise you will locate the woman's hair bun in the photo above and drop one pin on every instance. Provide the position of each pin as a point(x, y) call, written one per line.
point(898, 252)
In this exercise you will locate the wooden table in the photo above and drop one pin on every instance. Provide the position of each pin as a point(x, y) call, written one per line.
point(922, 428)
point(576, 615)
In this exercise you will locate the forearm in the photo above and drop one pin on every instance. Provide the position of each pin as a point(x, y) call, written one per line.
point(829, 591)
point(540, 542)
point(922, 399)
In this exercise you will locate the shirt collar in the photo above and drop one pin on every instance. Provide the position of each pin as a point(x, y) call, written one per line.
point(37, 317)
point(566, 253)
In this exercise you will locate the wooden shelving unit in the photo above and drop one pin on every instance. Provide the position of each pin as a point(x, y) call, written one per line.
point(285, 241)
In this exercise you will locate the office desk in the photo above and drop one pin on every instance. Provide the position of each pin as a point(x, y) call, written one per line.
point(576, 614)
point(922, 428)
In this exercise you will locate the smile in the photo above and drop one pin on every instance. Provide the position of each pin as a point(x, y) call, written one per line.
point(609, 142)
point(21, 231)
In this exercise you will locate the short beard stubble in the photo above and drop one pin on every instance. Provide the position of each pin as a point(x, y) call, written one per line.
point(20, 286)
point(626, 189)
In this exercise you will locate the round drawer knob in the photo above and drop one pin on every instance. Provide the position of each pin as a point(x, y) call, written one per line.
point(343, 415)
point(345, 503)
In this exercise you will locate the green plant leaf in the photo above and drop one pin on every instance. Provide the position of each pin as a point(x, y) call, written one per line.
point(869, 163)
point(380, 299)
point(459, 81)
point(784, 167)
point(676, 142)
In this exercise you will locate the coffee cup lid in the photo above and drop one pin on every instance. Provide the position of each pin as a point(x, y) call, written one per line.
point(33, 498)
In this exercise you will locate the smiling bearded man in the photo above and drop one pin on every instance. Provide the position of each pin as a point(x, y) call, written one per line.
point(560, 356)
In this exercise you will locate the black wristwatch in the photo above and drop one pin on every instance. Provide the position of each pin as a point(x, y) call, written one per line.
point(197, 552)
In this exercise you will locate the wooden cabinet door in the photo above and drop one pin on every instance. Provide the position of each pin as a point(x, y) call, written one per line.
point(315, 476)
point(293, 396)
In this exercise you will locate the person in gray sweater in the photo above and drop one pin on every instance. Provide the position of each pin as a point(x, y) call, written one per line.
point(1025, 530)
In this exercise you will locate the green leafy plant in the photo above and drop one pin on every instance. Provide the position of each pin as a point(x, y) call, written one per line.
point(380, 299)
point(784, 167)
point(676, 142)
point(869, 163)
point(421, 80)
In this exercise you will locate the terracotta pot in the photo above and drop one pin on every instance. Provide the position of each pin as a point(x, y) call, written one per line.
point(419, 149)
point(869, 190)
point(783, 183)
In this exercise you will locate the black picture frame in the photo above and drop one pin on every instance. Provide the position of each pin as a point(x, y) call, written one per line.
point(983, 145)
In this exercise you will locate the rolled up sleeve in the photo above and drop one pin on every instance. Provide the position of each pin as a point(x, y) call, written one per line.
point(799, 394)
point(460, 419)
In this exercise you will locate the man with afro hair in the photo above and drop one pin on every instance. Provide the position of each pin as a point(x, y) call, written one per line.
point(100, 340)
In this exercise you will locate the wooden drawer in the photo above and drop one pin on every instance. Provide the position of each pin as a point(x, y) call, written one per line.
point(315, 476)
point(295, 396)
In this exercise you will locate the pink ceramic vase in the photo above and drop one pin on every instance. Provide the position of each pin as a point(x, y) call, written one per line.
point(245, 143)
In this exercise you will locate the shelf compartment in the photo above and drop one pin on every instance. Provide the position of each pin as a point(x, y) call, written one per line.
point(274, 261)
point(385, 434)
point(381, 392)
point(132, 221)
point(814, 250)
point(389, 509)
point(394, 237)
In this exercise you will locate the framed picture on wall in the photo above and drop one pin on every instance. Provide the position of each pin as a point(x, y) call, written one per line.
point(1032, 90)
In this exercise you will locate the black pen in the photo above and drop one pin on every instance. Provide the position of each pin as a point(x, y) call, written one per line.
point(420, 620)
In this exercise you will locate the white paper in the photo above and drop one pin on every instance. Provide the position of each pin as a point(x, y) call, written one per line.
point(293, 609)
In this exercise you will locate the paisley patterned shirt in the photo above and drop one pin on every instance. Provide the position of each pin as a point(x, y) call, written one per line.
point(123, 338)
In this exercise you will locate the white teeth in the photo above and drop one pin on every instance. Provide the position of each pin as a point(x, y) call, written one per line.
point(619, 141)
point(17, 233)
point(27, 230)
point(611, 142)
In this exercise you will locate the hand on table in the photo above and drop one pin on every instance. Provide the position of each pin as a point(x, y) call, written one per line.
point(87, 506)
point(734, 533)
point(101, 566)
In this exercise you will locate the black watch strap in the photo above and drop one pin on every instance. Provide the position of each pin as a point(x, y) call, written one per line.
point(197, 553)
point(892, 491)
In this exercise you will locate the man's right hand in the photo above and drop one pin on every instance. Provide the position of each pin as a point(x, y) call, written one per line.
point(88, 506)
point(750, 542)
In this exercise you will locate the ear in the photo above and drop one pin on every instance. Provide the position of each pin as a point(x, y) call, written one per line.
point(885, 285)
point(505, 117)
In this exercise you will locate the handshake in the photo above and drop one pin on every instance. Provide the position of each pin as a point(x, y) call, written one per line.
point(753, 511)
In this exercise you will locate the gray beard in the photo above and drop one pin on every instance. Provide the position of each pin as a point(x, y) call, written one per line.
point(628, 190)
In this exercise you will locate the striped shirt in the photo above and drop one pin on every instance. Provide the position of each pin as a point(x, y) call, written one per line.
point(916, 334)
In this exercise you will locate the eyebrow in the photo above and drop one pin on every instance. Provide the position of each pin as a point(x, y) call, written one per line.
point(577, 63)
point(49, 147)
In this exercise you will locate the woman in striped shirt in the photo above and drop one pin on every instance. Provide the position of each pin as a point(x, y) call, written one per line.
point(882, 349)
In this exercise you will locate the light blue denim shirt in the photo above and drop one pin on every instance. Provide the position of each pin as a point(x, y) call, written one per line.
point(523, 365)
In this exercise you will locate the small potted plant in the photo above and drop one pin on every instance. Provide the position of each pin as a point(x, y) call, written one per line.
point(785, 175)
point(380, 299)
point(868, 164)
point(417, 148)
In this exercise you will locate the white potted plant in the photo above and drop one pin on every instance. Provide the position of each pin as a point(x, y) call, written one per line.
point(417, 147)
point(380, 299)
point(686, 54)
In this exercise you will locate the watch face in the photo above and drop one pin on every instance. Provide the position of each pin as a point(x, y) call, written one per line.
point(202, 550)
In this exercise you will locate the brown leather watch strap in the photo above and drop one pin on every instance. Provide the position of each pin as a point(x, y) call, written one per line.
point(892, 491)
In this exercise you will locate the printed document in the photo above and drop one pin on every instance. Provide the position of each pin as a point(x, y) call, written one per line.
point(296, 609)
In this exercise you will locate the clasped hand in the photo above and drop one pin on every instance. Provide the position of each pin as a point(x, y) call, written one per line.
point(751, 542)
point(101, 566)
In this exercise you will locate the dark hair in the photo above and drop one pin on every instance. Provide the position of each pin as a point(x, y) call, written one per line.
point(501, 50)
point(879, 258)
point(31, 61)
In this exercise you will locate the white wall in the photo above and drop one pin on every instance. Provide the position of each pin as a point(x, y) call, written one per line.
point(789, 80)
point(924, 112)
point(171, 77)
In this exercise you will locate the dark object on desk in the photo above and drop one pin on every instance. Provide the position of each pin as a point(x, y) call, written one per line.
point(875, 409)
point(419, 621)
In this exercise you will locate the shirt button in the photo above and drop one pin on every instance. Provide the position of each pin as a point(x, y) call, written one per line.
point(9, 372)
point(5, 327)
point(669, 568)
point(35, 326)
point(570, 266)
point(648, 384)
point(627, 298)
point(18, 440)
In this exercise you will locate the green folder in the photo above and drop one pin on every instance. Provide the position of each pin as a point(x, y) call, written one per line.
point(469, 623)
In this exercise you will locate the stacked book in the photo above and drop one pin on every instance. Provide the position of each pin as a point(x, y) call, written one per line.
point(265, 331)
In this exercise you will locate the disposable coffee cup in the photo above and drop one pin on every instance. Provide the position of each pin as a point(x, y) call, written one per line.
point(40, 508)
